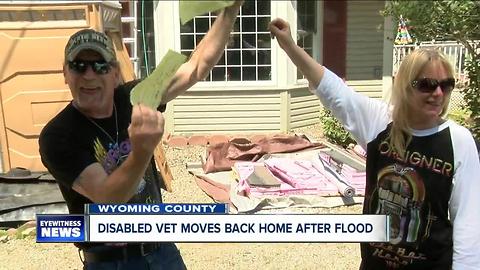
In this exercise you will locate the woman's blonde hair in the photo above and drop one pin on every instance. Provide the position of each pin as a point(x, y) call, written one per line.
point(409, 70)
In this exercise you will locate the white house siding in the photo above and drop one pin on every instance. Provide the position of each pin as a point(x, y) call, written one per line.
point(371, 88)
point(227, 111)
point(242, 112)
point(364, 40)
point(304, 108)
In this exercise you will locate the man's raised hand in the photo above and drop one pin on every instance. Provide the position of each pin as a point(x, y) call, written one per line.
point(145, 130)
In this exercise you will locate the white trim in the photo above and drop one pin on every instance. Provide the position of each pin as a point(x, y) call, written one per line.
point(166, 29)
point(284, 68)
point(387, 57)
point(318, 37)
point(115, 4)
point(274, 47)
point(317, 46)
point(233, 84)
point(291, 15)
point(242, 87)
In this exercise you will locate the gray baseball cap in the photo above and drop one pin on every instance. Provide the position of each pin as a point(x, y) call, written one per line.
point(89, 39)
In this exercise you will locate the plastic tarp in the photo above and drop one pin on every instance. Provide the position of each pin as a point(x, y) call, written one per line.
point(21, 201)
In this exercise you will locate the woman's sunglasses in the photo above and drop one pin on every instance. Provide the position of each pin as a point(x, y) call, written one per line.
point(428, 85)
point(80, 66)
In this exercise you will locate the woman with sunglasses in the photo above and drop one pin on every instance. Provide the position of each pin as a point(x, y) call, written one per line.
point(422, 170)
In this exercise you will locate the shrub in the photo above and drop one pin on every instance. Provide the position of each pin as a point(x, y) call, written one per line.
point(461, 116)
point(333, 130)
point(472, 95)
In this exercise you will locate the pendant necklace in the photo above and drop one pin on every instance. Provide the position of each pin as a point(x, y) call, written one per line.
point(114, 143)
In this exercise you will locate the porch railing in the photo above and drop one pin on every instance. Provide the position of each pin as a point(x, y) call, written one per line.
point(456, 52)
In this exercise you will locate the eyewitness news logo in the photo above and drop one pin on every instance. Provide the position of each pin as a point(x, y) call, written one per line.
point(60, 228)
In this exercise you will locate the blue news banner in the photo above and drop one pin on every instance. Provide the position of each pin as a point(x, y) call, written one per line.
point(74, 228)
point(205, 223)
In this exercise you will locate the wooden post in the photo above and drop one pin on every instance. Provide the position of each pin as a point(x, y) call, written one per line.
point(161, 160)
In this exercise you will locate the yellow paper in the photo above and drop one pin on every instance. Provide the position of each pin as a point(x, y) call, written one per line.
point(150, 91)
point(190, 9)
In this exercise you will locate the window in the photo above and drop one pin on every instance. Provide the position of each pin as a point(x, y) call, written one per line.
point(306, 27)
point(247, 56)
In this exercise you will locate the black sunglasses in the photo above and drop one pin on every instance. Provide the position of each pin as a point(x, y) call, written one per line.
point(428, 85)
point(80, 66)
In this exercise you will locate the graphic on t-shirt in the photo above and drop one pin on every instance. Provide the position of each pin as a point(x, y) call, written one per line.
point(113, 157)
point(396, 257)
point(100, 152)
point(401, 193)
point(417, 159)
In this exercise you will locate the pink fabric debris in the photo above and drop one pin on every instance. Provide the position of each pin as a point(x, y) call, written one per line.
point(297, 177)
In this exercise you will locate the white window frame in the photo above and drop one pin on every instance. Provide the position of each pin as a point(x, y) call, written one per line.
point(284, 73)
point(169, 29)
point(317, 45)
